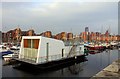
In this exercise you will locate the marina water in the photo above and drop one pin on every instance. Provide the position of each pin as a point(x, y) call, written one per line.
point(96, 62)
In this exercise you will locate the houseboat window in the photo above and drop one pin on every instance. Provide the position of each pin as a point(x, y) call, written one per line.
point(25, 43)
point(35, 43)
point(31, 43)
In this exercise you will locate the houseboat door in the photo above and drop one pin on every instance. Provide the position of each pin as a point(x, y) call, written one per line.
point(47, 52)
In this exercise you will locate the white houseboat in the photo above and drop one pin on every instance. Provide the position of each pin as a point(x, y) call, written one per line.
point(39, 50)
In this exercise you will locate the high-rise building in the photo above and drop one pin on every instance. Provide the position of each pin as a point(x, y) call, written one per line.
point(86, 29)
point(87, 33)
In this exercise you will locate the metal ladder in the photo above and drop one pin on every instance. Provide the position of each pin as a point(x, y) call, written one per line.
point(72, 51)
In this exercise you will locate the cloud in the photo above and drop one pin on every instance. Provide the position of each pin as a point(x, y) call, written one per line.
point(60, 0)
point(60, 16)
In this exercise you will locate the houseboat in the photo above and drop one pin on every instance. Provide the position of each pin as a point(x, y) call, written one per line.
point(36, 50)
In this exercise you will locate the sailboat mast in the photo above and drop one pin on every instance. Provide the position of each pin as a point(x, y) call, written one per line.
point(109, 33)
point(101, 34)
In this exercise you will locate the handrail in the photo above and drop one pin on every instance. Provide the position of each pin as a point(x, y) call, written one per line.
point(43, 58)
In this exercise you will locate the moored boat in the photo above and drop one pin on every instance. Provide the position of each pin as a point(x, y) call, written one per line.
point(7, 52)
point(106, 45)
point(114, 43)
point(36, 50)
point(93, 47)
point(8, 57)
point(15, 48)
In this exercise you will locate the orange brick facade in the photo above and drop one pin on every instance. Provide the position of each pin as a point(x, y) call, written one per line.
point(16, 35)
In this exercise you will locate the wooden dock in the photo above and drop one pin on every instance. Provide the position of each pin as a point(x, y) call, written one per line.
point(110, 72)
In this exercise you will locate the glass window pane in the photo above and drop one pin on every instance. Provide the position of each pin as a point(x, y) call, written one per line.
point(36, 43)
point(25, 43)
point(29, 43)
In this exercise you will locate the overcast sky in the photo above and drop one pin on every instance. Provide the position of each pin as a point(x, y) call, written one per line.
point(59, 16)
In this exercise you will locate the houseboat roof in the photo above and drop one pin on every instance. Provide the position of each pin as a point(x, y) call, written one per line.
point(41, 37)
point(37, 37)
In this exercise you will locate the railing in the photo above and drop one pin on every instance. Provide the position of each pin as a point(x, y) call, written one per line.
point(50, 58)
point(44, 58)
point(28, 57)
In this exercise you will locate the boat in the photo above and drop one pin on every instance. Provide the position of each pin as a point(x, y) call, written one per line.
point(94, 47)
point(118, 46)
point(15, 48)
point(114, 44)
point(7, 52)
point(106, 45)
point(36, 50)
point(8, 57)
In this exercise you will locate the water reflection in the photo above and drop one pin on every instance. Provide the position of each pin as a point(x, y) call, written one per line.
point(105, 56)
point(76, 68)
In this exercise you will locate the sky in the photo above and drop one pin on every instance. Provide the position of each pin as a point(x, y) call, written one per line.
point(60, 15)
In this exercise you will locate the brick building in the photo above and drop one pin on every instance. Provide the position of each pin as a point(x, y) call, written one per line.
point(96, 37)
point(46, 34)
point(64, 36)
point(31, 32)
point(10, 35)
point(69, 36)
point(16, 35)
